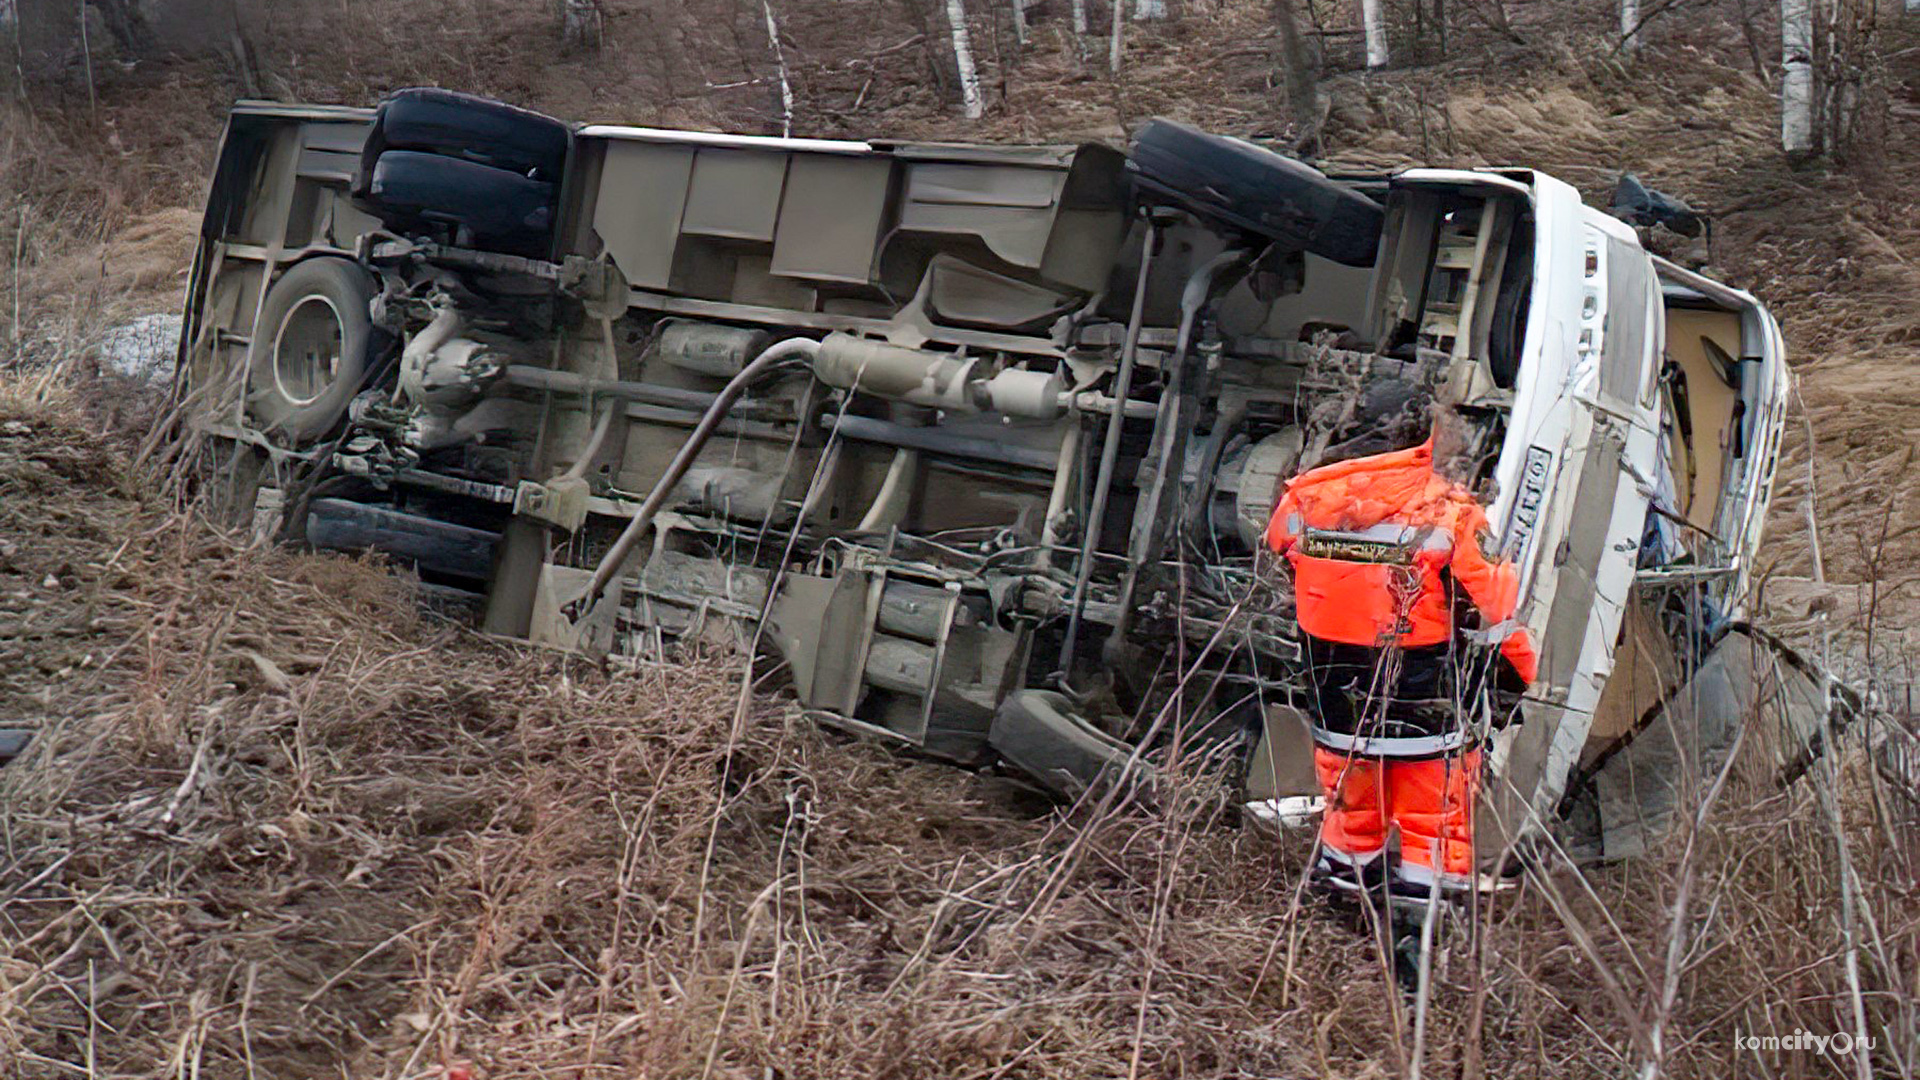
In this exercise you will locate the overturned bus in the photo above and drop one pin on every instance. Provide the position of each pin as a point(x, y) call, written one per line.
point(980, 440)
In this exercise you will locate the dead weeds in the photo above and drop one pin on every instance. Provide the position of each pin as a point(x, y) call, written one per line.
point(280, 822)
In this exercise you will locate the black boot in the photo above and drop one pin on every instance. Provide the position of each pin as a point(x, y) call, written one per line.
point(1406, 956)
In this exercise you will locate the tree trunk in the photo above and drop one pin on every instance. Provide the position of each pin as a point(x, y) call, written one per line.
point(246, 59)
point(126, 26)
point(780, 62)
point(1296, 69)
point(963, 61)
point(1796, 79)
point(1113, 39)
point(1629, 26)
point(1020, 22)
point(10, 22)
point(1373, 17)
point(1149, 10)
point(581, 23)
point(1080, 17)
point(1749, 29)
point(86, 52)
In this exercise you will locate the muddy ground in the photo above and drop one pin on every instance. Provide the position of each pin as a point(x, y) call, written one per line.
point(283, 822)
point(280, 820)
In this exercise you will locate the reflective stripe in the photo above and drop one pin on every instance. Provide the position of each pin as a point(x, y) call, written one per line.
point(1415, 874)
point(1398, 545)
point(1408, 746)
point(1423, 538)
point(1295, 523)
point(1392, 534)
point(1332, 854)
point(1411, 875)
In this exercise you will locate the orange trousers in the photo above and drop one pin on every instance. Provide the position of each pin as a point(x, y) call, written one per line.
point(1429, 799)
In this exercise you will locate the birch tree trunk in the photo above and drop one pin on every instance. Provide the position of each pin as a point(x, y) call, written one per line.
point(1080, 16)
point(1149, 10)
point(86, 51)
point(1020, 22)
point(1373, 17)
point(1796, 79)
point(780, 62)
point(963, 61)
point(1113, 41)
point(1629, 26)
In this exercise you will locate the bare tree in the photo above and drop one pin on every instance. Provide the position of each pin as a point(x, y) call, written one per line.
point(1020, 22)
point(780, 62)
point(126, 25)
point(246, 59)
point(1297, 72)
point(86, 51)
point(10, 22)
point(1850, 84)
point(582, 23)
point(1796, 78)
point(1080, 17)
point(1750, 30)
point(970, 98)
point(1373, 18)
point(1630, 26)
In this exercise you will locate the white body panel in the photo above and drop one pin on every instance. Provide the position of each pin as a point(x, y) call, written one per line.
point(1565, 421)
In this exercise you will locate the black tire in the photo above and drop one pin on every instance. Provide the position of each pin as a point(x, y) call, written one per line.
point(309, 352)
point(1257, 190)
point(1508, 331)
point(503, 211)
point(1037, 732)
point(470, 128)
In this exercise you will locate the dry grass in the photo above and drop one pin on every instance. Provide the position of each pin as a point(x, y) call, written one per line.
point(281, 823)
point(286, 814)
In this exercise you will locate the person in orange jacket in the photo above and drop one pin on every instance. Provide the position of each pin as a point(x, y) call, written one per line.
point(1390, 566)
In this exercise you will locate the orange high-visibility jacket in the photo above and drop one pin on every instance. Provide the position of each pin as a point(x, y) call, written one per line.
point(1368, 539)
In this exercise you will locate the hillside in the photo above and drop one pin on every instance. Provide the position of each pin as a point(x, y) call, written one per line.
point(284, 821)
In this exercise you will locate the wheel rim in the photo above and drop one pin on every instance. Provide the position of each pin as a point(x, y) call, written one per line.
point(308, 350)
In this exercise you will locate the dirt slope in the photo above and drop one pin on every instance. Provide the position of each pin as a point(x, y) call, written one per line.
point(110, 191)
point(278, 822)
